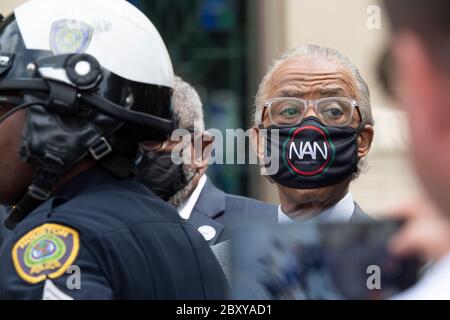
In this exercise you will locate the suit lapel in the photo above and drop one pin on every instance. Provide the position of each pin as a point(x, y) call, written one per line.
point(360, 215)
point(210, 205)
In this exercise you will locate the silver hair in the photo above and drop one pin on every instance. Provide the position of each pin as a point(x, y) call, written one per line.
point(315, 51)
point(187, 106)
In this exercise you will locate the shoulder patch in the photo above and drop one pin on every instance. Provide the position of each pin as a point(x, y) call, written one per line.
point(45, 252)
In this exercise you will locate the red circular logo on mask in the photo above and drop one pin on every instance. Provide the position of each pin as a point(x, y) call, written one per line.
point(308, 152)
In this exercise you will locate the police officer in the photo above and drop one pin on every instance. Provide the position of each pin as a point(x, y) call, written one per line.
point(81, 83)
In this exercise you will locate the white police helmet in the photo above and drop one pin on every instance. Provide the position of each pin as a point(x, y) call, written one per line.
point(95, 78)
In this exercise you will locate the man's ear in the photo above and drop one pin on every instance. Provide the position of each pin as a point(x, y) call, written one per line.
point(365, 139)
point(257, 142)
point(201, 150)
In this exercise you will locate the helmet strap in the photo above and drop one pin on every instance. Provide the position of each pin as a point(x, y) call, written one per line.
point(38, 192)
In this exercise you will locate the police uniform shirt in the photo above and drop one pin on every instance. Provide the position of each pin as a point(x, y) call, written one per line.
point(102, 238)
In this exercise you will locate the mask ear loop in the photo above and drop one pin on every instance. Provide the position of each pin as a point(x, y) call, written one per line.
point(362, 124)
point(358, 130)
point(193, 176)
point(192, 134)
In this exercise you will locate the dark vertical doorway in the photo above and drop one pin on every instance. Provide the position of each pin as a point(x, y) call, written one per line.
point(208, 43)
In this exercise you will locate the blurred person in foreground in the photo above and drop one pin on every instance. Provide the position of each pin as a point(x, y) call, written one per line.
point(319, 103)
point(186, 186)
point(420, 65)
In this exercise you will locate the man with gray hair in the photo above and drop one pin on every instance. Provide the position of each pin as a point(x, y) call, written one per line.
point(186, 186)
point(313, 107)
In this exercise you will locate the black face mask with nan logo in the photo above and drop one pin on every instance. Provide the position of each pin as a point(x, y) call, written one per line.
point(312, 155)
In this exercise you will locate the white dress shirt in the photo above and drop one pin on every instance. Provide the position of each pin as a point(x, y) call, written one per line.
point(434, 285)
point(340, 212)
point(185, 209)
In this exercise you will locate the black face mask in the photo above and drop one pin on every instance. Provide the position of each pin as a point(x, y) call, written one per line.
point(312, 155)
point(159, 173)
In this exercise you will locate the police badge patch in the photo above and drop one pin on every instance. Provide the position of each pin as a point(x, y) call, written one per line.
point(70, 36)
point(45, 252)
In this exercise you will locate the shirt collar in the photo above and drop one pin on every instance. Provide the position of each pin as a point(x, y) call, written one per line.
point(185, 209)
point(340, 212)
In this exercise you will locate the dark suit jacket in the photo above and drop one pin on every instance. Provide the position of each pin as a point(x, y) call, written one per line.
point(222, 211)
